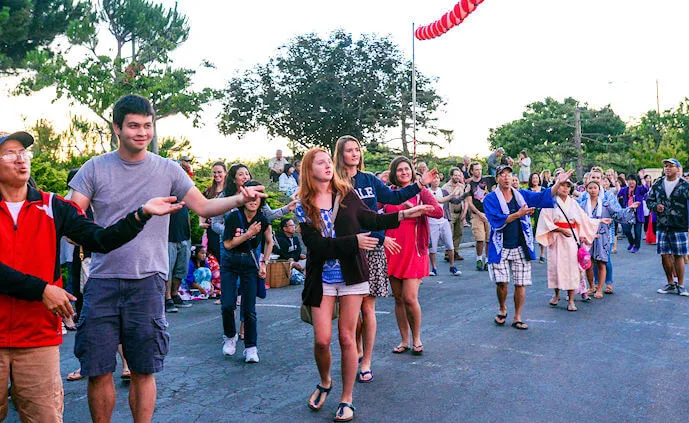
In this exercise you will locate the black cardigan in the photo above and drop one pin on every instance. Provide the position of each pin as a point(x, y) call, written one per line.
point(352, 216)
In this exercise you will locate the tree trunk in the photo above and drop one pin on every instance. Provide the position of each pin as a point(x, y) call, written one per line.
point(577, 143)
point(114, 143)
point(154, 142)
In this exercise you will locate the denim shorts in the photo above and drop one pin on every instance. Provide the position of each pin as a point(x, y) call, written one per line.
point(122, 311)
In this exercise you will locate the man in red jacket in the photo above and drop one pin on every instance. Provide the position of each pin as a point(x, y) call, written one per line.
point(31, 225)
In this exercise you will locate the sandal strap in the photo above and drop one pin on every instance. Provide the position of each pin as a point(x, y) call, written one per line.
point(322, 390)
point(342, 405)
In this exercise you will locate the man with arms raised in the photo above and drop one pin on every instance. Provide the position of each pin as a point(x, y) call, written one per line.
point(124, 298)
point(511, 245)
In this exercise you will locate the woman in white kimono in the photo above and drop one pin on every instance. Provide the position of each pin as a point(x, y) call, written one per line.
point(554, 232)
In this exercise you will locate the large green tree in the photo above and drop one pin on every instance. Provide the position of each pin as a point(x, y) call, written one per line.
point(655, 137)
point(313, 90)
point(143, 35)
point(30, 26)
point(546, 132)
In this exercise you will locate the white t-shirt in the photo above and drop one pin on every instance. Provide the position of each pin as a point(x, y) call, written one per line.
point(669, 186)
point(14, 209)
point(438, 194)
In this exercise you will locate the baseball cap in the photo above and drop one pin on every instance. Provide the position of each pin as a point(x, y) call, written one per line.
point(186, 159)
point(500, 168)
point(23, 137)
point(672, 161)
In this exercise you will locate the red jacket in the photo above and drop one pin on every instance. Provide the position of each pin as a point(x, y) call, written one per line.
point(29, 258)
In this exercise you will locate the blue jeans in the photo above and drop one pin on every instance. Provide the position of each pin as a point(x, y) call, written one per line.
point(608, 272)
point(240, 266)
point(635, 237)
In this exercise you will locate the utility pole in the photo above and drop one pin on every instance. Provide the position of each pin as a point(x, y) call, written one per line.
point(657, 98)
point(577, 143)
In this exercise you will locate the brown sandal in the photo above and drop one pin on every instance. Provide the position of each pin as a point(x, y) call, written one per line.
point(608, 291)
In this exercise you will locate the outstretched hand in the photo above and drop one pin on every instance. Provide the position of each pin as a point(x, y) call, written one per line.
point(634, 205)
point(252, 193)
point(366, 242)
point(417, 211)
point(606, 220)
point(428, 177)
point(391, 245)
point(525, 210)
point(161, 206)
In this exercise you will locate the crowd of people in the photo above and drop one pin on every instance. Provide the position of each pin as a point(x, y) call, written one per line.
point(352, 235)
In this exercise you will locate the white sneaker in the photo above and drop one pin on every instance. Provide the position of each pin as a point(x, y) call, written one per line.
point(251, 355)
point(229, 345)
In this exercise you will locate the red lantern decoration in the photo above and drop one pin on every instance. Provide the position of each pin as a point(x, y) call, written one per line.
point(477, 2)
point(446, 22)
point(430, 31)
point(460, 13)
point(417, 33)
point(427, 32)
point(439, 28)
point(468, 6)
point(455, 20)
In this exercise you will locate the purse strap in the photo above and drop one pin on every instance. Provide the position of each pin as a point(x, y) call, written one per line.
point(251, 248)
point(570, 225)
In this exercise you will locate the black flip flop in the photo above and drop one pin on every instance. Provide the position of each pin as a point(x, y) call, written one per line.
point(400, 349)
point(417, 350)
point(340, 412)
point(503, 317)
point(321, 391)
point(520, 326)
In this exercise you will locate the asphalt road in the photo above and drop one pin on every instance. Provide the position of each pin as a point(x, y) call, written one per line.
point(620, 359)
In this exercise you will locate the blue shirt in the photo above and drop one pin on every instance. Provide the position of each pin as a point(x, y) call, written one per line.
point(332, 272)
point(372, 191)
point(512, 231)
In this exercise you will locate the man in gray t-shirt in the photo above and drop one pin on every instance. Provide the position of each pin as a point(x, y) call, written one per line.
point(124, 297)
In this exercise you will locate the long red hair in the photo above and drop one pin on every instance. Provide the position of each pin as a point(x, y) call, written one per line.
point(307, 186)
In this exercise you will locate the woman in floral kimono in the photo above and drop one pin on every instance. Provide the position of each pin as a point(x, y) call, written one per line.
point(598, 208)
point(554, 232)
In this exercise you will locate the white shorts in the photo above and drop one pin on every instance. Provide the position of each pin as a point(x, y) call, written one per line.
point(443, 231)
point(341, 289)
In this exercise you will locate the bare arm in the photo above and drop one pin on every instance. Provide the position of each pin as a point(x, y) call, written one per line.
point(217, 206)
point(81, 200)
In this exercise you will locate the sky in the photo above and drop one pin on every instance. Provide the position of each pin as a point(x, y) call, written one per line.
point(504, 56)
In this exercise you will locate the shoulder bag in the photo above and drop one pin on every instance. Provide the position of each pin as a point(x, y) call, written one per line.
point(583, 254)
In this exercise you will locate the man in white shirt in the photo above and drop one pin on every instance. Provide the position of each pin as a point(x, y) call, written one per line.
point(276, 166)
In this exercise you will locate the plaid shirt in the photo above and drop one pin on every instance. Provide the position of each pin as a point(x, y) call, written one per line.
point(674, 217)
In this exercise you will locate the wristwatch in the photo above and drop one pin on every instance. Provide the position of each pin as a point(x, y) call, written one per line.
point(143, 217)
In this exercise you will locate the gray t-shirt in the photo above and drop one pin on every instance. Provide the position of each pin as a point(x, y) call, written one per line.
point(117, 187)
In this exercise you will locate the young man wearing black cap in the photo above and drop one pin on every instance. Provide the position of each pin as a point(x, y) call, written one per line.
point(511, 242)
point(128, 285)
point(668, 198)
point(31, 225)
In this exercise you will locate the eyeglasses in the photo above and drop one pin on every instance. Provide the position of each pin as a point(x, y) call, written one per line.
point(13, 156)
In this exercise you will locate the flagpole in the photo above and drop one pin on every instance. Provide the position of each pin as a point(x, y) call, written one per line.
point(413, 90)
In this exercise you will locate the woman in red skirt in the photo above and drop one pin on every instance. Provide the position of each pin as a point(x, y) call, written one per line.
point(408, 267)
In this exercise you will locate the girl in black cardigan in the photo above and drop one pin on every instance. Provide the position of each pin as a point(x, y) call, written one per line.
point(336, 266)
